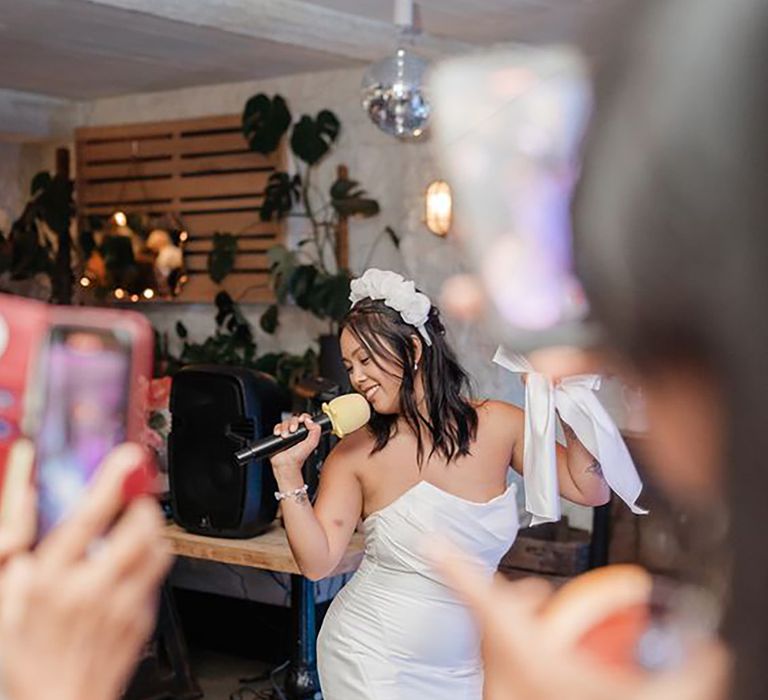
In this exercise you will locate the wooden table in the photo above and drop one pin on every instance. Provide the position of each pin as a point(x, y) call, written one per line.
point(270, 551)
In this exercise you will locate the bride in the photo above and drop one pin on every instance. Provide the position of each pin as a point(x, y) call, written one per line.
point(431, 460)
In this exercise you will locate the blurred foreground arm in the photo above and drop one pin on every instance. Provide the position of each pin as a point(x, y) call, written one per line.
point(522, 661)
point(76, 611)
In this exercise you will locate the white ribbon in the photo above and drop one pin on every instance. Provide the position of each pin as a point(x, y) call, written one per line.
point(574, 399)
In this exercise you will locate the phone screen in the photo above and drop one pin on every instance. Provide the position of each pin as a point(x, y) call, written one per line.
point(86, 375)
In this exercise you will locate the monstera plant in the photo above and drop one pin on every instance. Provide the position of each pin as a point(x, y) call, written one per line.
point(231, 343)
point(310, 275)
point(39, 244)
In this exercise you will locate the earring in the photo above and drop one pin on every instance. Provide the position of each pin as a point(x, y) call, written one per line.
point(415, 366)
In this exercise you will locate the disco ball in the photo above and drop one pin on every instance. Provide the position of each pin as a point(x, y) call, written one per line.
point(393, 95)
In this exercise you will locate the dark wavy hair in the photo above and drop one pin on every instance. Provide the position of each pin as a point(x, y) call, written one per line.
point(450, 418)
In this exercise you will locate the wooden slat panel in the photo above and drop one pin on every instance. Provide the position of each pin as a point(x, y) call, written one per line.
point(241, 204)
point(141, 130)
point(209, 186)
point(242, 288)
point(222, 208)
point(186, 147)
point(214, 183)
point(129, 192)
point(236, 222)
point(240, 162)
point(244, 245)
point(127, 171)
point(223, 163)
point(213, 143)
point(107, 210)
point(197, 261)
point(122, 132)
point(177, 189)
point(127, 150)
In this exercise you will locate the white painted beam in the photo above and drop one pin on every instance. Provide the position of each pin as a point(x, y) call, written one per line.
point(295, 23)
point(26, 116)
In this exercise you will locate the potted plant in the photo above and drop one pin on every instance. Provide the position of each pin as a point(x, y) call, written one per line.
point(231, 343)
point(36, 256)
point(313, 276)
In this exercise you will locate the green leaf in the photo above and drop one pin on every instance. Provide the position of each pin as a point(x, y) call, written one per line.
point(249, 355)
point(302, 283)
point(279, 196)
point(277, 255)
point(87, 242)
point(117, 252)
point(157, 421)
point(269, 320)
point(282, 264)
point(265, 121)
point(56, 204)
point(330, 297)
point(221, 260)
point(224, 302)
point(356, 206)
point(40, 182)
point(228, 314)
point(344, 187)
point(137, 222)
point(312, 138)
point(268, 363)
point(286, 368)
point(348, 199)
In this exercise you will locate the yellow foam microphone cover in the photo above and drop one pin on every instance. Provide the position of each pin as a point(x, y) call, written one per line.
point(347, 413)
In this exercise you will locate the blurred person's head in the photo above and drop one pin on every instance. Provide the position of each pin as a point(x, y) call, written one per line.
point(671, 243)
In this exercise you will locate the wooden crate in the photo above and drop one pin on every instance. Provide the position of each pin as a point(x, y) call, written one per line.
point(554, 549)
point(200, 170)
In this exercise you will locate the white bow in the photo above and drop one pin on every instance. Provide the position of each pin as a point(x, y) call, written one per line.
point(574, 399)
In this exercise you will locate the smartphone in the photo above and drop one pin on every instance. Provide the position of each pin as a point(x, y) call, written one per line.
point(508, 127)
point(85, 375)
point(88, 373)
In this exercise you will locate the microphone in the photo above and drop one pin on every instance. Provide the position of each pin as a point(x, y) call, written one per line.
point(341, 416)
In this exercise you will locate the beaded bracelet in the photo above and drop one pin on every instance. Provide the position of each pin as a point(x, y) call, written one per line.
point(298, 495)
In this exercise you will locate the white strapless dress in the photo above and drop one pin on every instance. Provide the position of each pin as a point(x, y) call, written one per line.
point(395, 632)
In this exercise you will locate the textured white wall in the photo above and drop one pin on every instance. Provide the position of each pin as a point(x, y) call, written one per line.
point(395, 173)
point(11, 198)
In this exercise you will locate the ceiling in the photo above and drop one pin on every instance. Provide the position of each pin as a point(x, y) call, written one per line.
point(81, 50)
point(487, 21)
point(85, 49)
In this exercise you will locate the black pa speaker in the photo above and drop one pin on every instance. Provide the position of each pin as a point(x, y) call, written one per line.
point(215, 411)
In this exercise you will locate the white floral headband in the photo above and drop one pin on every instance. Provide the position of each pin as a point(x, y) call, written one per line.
point(397, 293)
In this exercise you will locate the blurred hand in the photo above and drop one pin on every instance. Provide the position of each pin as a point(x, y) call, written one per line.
point(564, 361)
point(293, 458)
point(522, 663)
point(462, 296)
point(76, 611)
point(17, 508)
